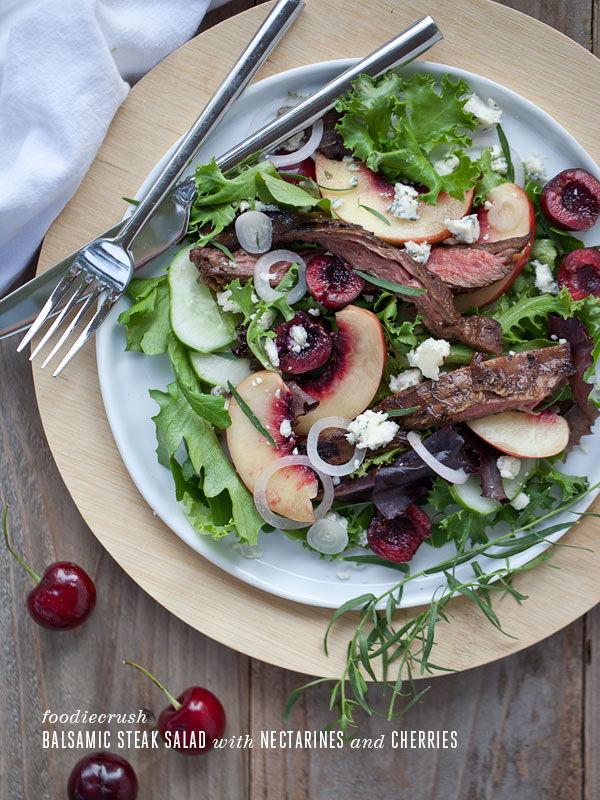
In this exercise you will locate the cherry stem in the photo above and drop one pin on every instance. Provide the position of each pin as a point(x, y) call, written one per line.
point(176, 705)
point(12, 552)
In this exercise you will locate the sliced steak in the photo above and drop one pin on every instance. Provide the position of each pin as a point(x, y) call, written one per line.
point(364, 251)
point(464, 267)
point(508, 383)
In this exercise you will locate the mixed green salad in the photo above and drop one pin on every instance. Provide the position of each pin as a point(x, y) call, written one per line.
point(404, 317)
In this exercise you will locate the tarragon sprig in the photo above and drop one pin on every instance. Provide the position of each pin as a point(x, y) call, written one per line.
point(406, 647)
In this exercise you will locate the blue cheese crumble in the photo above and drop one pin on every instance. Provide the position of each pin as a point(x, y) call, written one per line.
point(429, 357)
point(446, 165)
point(508, 466)
point(400, 382)
point(499, 163)
point(226, 303)
point(521, 501)
point(271, 351)
point(299, 336)
point(544, 279)
point(405, 204)
point(418, 252)
point(488, 114)
point(534, 165)
point(371, 430)
point(465, 229)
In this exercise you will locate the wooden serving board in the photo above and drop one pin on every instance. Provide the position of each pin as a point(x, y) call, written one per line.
point(539, 63)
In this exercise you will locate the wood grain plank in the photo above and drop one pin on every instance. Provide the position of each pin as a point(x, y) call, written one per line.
point(82, 669)
point(520, 718)
point(571, 17)
point(517, 720)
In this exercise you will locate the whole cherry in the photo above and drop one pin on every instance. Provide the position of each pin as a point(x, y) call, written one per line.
point(64, 596)
point(102, 776)
point(192, 721)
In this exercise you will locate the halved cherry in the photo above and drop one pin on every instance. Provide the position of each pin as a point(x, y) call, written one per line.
point(399, 539)
point(580, 273)
point(332, 282)
point(302, 344)
point(571, 200)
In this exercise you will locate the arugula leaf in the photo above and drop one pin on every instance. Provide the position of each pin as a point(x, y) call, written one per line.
point(570, 485)
point(177, 422)
point(147, 321)
point(394, 125)
point(208, 406)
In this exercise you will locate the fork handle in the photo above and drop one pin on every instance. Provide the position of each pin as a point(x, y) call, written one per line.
point(397, 52)
point(265, 39)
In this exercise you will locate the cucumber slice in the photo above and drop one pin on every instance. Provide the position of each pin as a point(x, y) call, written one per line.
point(513, 486)
point(468, 494)
point(216, 370)
point(195, 316)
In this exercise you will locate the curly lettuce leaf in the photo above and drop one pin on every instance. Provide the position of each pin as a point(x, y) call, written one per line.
point(394, 124)
point(148, 321)
point(178, 423)
point(488, 179)
point(218, 196)
point(527, 318)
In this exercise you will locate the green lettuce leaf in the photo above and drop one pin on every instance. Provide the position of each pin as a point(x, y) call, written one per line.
point(488, 179)
point(178, 423)
point(218, 196)
point(527, 318)
point(395, 124)
point(147, 321)
point(208, 406)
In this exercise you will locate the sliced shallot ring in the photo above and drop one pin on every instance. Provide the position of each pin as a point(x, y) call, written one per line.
point(484, 142)
point(260, 493)
point(312, 443)
point(263, 287)
point(450, 475)
point(254, 231)
point(306, 151)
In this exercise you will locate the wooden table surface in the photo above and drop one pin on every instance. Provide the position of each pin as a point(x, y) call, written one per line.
point(528, 726)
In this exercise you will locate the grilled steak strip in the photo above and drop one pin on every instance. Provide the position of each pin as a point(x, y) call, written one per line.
point(466, 267)
point(364, 251)
point(508, 383)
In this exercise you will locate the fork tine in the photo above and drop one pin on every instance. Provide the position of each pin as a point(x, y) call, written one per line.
point(57, 295)
point(73, 299)
point(91, 298)
point(89, 330)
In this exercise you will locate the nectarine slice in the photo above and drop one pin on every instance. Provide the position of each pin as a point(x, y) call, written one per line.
point(291, 489)
point(351, 203)
point(524, 435)
point(511, 215)
point(353, 376)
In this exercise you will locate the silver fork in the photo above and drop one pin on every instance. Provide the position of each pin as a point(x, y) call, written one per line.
point(102, 270)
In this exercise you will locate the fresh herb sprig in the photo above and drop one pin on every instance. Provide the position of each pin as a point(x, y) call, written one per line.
point(390, 285)
point(405, 649)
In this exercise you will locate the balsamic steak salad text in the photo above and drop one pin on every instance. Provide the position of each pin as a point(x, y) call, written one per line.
point(383, 334)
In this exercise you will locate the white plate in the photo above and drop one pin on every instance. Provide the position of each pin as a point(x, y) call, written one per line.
point(285, 568)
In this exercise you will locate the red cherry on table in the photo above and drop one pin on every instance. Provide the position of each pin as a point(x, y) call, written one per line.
point(102, 776)
point(64, 596)
point(192, 721)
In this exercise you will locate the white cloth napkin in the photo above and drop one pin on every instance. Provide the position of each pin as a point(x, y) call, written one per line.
point(65, 68)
